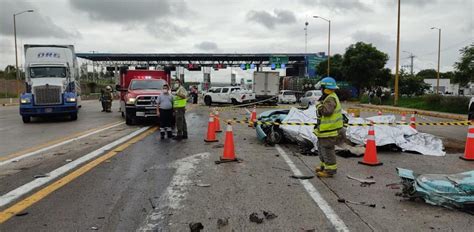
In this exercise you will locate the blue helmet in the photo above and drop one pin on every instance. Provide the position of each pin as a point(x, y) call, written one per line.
point(329, 83)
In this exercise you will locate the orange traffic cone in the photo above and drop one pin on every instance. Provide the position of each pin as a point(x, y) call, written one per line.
point(253, 117)
point(217, 124)
point(211, 132)
point(413, 121)
point(370, 155)
point(404, 117)
point(379, 113)
point(229, 148)
point(469, 150)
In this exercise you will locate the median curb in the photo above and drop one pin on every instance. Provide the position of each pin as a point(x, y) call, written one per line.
point(420, 112)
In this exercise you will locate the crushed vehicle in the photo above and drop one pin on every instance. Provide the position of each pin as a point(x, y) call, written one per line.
point(403, 137)
point(454, 191)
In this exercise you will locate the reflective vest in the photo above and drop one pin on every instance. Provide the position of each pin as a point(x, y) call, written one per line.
point(329, 125)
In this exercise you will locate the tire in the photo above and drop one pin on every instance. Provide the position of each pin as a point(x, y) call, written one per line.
point(73, 116)
point(208, 101)
point(234, 102)
point(129, 120)
point(26, 119)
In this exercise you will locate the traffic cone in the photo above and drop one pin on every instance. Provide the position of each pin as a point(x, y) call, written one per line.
point(370, 155)
point(211, 131)
point(379, 113)
point(404, 117)
point(217, 124)
point(469, 150)
point(413, 121)
point(229, 148)
point(253, 116)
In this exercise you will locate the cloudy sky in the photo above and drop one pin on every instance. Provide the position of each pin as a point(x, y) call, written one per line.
point(157, 26)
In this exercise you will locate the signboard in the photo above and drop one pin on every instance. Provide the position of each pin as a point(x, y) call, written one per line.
point(312, 62)
point(279, 59)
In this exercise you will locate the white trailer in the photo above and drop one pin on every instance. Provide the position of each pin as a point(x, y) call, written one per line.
point(266, 85)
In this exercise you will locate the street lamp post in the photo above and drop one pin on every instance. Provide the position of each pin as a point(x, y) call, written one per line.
point(439, 57)
point(16, 50)
point(395, 99)
point(329, 39)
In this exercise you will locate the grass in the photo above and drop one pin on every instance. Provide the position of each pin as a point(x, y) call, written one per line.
point(448, 104)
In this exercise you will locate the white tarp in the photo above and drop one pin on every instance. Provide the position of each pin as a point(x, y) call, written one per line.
point(405, 137)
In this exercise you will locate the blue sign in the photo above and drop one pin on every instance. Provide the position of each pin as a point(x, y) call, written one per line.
point(252, 66)
point(273, 66)
point(283, 66)
point(242, 66)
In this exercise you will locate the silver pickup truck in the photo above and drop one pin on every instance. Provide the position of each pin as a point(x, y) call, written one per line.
point(470, 113)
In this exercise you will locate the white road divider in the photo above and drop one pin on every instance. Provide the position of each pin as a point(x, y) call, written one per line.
point(26, 188)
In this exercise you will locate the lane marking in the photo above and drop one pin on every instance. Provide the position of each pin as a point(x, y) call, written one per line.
point(176, 191)
point(337, 222)
point(13, 195)
point(53, 144)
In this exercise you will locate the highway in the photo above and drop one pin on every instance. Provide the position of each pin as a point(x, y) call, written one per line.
point(107, 176)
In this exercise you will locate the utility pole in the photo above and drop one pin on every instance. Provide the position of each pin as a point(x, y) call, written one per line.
point(306, 37)
point(411, 61)
point(397, 63)
point(16, 52)
point(439, 57)
point(329, 39)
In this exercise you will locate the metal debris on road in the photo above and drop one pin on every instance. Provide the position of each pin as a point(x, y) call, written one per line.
point(94, 228)
point(203, 185)
point(342, 200)
point(301, 177)
point(21, 214)
point(269, 215)
point(255, 217)
point(363, 182)
point(195, 226)
point(41, 176)
point(69, 160)
point(218, 146)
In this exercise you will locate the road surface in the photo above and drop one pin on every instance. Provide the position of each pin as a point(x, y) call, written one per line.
point(124, 178)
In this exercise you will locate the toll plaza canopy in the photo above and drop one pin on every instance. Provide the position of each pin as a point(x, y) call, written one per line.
point(199, 58)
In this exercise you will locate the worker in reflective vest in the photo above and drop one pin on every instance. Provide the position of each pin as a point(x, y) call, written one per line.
point(330, 122)
point(179, 106)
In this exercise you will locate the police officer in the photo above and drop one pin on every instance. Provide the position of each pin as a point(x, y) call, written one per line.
point(179, 106)
point(106, 99)
point(330, 120)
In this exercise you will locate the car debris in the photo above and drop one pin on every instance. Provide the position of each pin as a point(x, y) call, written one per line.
point(21, 214)
point(40, 176)
point(342, 200)
point(94, 228)
point(203, 185)
point(69, 160)
point(454, 191)
point(255, 217)
point(302, 177)
point(269, 215)
point(363, 182)
point(195, 226)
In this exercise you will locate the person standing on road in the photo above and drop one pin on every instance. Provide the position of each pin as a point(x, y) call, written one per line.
point(179, 106)
point(164, 104)
point(106, 99)
point(330, 122)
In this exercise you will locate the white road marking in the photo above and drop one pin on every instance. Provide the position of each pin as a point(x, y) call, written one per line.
point(176, 191)
point(337, 222)
point(15, 159)
point(24, 189)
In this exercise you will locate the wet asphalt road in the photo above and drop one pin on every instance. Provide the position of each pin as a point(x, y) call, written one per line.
point(165, 185)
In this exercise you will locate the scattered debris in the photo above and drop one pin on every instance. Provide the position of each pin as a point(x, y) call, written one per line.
point(342, 200)
point(363, 182)
point(269, 215)
point(203, 185)
point(301, 177)
point(284, 169)
point(40, 176)
point(69, 160)
point(14, 161)
point(277, 155)
point(94, 228)
point(393, 185)
point(255, 217)
point(21, 214)
point(195, 226)
point(308, 230)
point(222, 222)
point(100, 217)
point(151, 203)
point(218, 146)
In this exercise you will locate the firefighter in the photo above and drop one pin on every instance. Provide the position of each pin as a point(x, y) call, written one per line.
point(106, 98)
point(179, 106)
point(330, 123)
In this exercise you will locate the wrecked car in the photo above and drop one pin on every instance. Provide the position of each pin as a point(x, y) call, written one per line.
point(454, 191)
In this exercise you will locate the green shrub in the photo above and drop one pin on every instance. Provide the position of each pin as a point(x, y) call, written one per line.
point(433, 99)
point(455, 104)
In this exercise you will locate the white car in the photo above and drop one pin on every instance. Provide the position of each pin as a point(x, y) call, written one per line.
point(230, 94)
point(470, 113)
point(310, 97)
point(286, 96)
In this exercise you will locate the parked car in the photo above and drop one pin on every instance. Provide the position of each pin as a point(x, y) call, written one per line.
point(471, 109)
point(310, 97)
point(286, 96)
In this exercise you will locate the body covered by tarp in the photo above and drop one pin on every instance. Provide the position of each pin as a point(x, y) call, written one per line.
point(447, 190)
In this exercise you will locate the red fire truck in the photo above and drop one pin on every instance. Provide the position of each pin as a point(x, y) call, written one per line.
point(138, 92)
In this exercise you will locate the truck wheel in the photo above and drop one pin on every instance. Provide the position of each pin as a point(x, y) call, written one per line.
point(129, 120)
point(73, 116)
point(26, 119)
point(234, 102)
point(208, 101)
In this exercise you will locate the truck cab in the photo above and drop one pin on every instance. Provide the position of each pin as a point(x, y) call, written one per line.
point(139, 91)
point(52, 82)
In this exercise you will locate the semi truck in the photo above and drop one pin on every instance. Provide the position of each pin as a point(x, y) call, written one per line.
point(266, 86)
point(138, 92)
point(52, 82)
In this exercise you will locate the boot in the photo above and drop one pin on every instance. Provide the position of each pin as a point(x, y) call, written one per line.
point(320, 168)
point(162, 134)
point(170, 134)
point(324, 174)
point(185, 136)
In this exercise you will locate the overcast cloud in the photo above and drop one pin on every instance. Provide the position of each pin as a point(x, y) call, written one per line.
point(185, 26)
